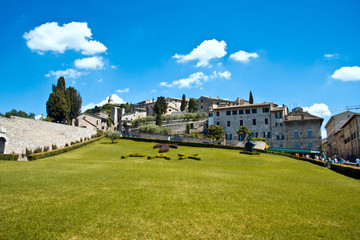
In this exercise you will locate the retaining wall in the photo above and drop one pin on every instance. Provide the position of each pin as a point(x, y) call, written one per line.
point(22, 133)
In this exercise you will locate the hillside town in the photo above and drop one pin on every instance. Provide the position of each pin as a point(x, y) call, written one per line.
point(295, 131)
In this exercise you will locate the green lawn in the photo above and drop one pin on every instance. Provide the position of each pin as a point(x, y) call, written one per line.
point(90, 193)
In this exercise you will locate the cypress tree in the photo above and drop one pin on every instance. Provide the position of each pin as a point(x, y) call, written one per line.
point(251, 99)
point(183, 103)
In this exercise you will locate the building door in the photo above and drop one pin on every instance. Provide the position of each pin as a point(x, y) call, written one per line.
point(2, 145)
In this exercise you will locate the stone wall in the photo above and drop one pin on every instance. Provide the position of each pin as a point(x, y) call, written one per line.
point(22, 133)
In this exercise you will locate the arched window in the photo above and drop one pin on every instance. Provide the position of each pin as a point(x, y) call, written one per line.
point(2, 144)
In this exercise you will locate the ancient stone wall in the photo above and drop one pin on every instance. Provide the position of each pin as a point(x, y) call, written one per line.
point(22, 133)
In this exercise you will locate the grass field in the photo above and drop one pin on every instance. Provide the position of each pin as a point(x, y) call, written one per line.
point(90, 193)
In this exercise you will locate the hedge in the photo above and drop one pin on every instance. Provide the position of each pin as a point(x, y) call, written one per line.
point(133, 155)
point(36, 156)
point(159, 155)
point(193, 156)
point(9, 157)
point(349, 171)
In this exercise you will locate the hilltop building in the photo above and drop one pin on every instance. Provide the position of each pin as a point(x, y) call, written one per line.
point(335, 138)
point(297, 130)
point(206, 104)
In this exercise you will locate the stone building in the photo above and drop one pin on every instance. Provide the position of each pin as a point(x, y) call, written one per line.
point(118, 116)
point(205, 104)
point(351, 140)
point(86, 120)
point(332, 127)
point(173, 105)
point(297, 130)
point(263, 120)
point(302, 130)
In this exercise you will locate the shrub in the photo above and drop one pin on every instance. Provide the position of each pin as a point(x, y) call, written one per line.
point(46, 148)
point(259, 139)
point(133, 155)
point(81, 139)
point(28, 152)
point(193, 156)
point(72, 143)
point(66, 144)
point(9, 157)
point(349, 171)
point(154, 129)
point(54, 147)
point(164, 147)
point(159, 155)
point(38, 150)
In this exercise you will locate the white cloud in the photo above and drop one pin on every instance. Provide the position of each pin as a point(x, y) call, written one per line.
point(347, 74)
point(203, 53)
point(242, 56)
point(323, 134)
point(225, 74)
point(90, 63)
point(52, 37)
point(68, 73)
point(113, 66)
point(114, 97)
point(153, 91)
point(194, 80)
point(328, 56)
point(126, 90)
point(100, 80)
point(318, 109)
point(39, 117)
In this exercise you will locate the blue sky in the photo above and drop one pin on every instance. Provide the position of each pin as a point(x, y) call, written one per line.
point(297, 53)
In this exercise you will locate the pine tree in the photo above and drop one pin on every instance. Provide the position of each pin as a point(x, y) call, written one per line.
point(183, 103)
point(251, 99)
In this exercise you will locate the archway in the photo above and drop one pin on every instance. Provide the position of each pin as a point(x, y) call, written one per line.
point(2, 144)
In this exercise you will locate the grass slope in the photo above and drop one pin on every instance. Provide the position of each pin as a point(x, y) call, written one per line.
point(90, 193)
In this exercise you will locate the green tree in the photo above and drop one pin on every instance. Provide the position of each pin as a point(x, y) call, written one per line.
point(20, 113)
point(57, 107)
point(251, 99)
point(112, 135)
point(160, 105)
point(193, 105)
point(244, 132)
point(74, 101)
point(215, 132)
point(183, 103)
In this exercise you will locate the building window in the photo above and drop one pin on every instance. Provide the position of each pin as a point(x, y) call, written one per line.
point(297, 146)
point(241, 137)
point(247, 111)
point(310, 145)
point(234, 112)
point(241, 123)
point(217, 113)
point(228, 136)
point(255, 135)
point(280, 137)
point(265, 110)
point(228, 113)
point(217, 123)
point(295, 124)
point(201, 107)
point(296, 134)
point(309, 133)
point(254, 110)
point(201, 100)
point(228, 123)
point(278, 115)
point(191, 125)
point(266, 134)
point(211, 114)
point(241, 112)
point(266, 121)
point(254, 121)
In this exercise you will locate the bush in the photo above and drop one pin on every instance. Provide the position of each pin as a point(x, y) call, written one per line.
point(66, 144)
point(133, 155)
point(72, 143)
point(159, 155)
point(46, 148)
point(112, 135)
point(35, 156)
point(28, 152)
point(154, 129)
point(260, 139)
point(54, 147)
point(193, 156)
point(9, 157)
point(38, 150)
point(349, 171)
